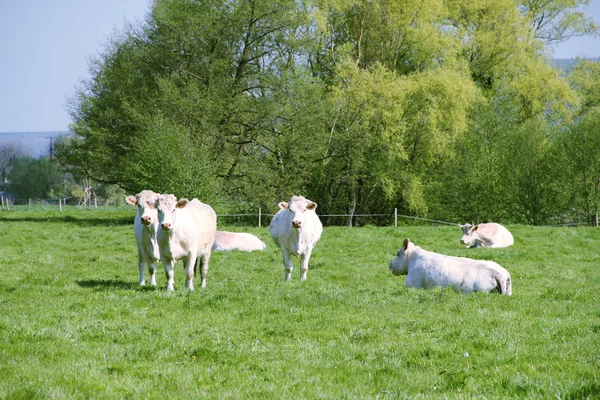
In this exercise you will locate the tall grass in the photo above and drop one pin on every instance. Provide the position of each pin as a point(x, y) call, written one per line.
point(74, 323)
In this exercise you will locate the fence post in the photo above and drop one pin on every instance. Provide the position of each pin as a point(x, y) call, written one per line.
point(596, 219)
point(29, 205)
point(2, 202)
point(395, 217)
point(60, 205)
point(259, 216)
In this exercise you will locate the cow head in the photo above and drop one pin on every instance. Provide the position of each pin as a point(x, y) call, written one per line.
point(166, 205)
point(465, 228)
point(298, 207)
point(146, 206)
point(399, 265)
point(469, 235)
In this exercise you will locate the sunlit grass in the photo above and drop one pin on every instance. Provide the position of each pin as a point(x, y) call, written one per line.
point(74, 323)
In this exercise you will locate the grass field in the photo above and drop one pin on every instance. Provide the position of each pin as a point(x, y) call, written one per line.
point(74, 323)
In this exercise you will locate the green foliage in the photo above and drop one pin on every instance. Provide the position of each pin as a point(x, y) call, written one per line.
point(579, 147)
point(75, 324)
point(35, 178)
point(503, 170)
point(534, 177)
point(359, 105)
point(585, 78)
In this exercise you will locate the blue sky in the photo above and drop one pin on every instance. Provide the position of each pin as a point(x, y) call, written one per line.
point(45, 46)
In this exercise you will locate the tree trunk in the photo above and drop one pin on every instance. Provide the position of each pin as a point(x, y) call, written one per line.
point(351, 211)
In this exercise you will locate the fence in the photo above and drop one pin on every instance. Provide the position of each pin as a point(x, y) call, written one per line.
point(257, 219)
point(8, 203)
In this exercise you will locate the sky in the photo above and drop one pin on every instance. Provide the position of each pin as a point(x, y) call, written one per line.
point(46, 45)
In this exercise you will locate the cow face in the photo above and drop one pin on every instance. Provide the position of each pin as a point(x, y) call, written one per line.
point(469, 236)
point(465, 228)
point(399, 265)
point(166, 205)
point(146, 206)
point(298, 207)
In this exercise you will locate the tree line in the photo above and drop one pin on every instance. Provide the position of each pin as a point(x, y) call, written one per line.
point(447, 110)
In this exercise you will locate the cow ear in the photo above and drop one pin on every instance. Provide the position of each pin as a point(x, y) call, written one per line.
point(283, 205)
point(131, 200)
point(311, 205)
point(475, 228)
point(182, 203)
point(405, 243)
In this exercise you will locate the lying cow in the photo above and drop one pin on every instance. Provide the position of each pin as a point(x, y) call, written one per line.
point(145, 227)
point(227, 241)
point(426, 269)
point(296, 229)
point(187, 232)
point(486, 235)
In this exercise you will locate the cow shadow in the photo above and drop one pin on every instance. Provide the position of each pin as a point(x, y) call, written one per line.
point(111, 284)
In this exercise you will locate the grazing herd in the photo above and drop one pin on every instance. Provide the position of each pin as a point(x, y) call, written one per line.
point(171, 230)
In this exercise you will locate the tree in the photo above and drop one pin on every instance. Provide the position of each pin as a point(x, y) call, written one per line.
point(8, 151)
point(580, 151)
point(35, 178)
point(355, 103)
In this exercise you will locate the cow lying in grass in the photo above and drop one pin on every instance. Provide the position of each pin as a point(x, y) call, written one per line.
point(228, 241)
point(486, 235)
point(296, 229)
point(426, 269)
point(187, 232)
point(145, 228)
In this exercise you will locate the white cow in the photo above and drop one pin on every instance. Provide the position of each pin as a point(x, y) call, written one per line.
point(425, 269)
point(486, 235)
point(145, 227)
point(227, 241)
point(187, 232)
point(296, 229)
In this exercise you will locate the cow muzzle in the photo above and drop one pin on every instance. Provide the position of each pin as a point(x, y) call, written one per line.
point(145, 220)
point(165, 226)
point(296, 224)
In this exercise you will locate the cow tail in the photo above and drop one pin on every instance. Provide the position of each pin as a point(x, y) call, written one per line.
point(504, 284)
point(508, 286)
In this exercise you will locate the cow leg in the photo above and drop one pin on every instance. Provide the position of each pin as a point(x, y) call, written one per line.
point(150, 262)
point(141, 267)
point(190, 264)
point(204, 269)
point(169, 274)
point(287, 264)
point(152, 271)
point(304, 264)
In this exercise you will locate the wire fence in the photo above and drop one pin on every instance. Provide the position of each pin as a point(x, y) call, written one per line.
point(245, 219)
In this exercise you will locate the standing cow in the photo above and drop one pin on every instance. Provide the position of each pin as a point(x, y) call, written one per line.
point(187, 232)
point(145, 227)
point(296, 229)
point(426, 269)
point(486, 235)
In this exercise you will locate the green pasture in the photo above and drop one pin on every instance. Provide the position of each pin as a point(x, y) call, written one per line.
point(74, 324)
